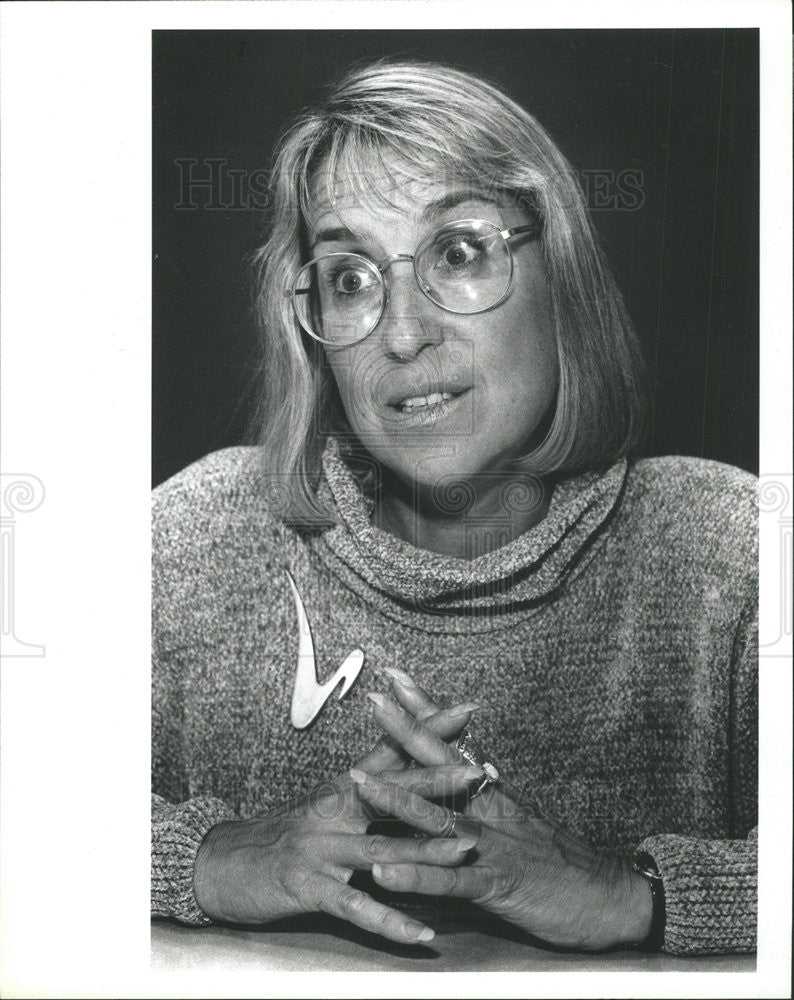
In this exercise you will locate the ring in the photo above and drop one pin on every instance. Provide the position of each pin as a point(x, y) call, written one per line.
point(452, 828)
point(471, 750)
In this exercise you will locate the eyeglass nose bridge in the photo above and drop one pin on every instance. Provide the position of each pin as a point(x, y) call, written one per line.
point(387, 262)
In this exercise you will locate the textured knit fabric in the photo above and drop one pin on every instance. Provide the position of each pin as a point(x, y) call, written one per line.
point(613, 648)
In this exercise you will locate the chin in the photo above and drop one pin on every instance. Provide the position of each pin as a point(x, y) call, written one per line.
point(440, 465)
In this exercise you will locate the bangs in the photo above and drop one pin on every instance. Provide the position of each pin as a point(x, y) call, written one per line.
point(372, 166)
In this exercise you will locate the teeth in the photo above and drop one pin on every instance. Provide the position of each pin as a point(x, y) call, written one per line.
point(431, 400)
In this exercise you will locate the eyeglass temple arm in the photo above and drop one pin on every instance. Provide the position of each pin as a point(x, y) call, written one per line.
point(533, 228)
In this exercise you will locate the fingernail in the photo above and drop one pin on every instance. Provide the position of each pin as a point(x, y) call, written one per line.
point(472, 771)
point(359, 777)
point(378, 699)
point(465, 844)
point(417, 931)
point(464, 709)
point(400, 676)
point(377, 871)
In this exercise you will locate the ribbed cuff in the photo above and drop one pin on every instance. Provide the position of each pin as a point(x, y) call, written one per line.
point(177, 833)
point(711, 893)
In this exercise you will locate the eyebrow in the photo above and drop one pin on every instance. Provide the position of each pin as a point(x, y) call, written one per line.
point(338, 234)
point(452, 200)
point(432, 211)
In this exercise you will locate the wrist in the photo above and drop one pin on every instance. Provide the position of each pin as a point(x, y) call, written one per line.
point(623, 908)
point(237, 872)
point(638, 916)
point(207, 882)
point(628, 908)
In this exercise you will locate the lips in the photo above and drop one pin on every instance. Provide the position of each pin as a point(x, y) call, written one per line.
point(411, 398)
point(417, 402)
point(429, 410)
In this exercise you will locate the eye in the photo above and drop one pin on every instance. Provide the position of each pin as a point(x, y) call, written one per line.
point(348, 279)
point(349, 282)
point(458, 252)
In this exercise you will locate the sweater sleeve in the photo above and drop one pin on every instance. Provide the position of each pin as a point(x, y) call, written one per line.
point(711, 886)
point(177, 832)
point(710, 889)
point(178, 827)
point(179, 819)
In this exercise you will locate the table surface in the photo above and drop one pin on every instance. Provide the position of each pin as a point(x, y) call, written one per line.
point(463, 943)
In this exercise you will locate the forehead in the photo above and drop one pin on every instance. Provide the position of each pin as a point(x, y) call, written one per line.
point(383, 192)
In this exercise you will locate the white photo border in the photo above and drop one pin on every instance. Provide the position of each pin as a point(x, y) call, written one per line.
point(76, 357)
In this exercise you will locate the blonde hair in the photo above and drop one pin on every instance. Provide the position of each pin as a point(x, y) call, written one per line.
point(430, 118)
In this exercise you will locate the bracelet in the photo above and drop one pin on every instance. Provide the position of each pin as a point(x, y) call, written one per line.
point(644, 865)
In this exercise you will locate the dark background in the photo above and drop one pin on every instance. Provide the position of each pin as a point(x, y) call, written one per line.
point(681, 107)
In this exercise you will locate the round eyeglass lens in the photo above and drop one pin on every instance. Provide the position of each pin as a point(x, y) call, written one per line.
point(339, 297)
point(465, 267)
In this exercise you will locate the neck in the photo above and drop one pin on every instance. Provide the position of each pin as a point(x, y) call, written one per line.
point(471, 519)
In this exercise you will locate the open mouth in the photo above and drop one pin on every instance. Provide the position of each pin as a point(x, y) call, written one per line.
point(415, 411)
point(416, 403)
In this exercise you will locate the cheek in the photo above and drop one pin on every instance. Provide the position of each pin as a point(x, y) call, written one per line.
point(355, 372)
point(539, 343)
point(524, 360)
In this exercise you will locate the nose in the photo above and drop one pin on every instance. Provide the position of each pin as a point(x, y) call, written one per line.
point(410, 321)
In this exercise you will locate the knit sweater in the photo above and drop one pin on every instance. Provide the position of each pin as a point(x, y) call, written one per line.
point(613, 648)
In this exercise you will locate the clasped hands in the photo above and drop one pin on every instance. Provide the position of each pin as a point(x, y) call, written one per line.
point(514, 864)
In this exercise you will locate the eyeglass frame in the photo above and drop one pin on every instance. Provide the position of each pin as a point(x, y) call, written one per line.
point(387, 261)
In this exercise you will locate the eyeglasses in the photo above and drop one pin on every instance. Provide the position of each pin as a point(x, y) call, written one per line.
point(464, 267)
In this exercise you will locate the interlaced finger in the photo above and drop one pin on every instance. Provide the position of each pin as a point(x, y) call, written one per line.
point(418, 738)
point(334, 803)
point(442, 781)
point(425, 816)
point(494, 805)
point(358, 908)
point(411, 695)
point(390, 753)
point(468, 882)
point(362, 852)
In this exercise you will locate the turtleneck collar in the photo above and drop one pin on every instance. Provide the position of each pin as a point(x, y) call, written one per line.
point(520, 573)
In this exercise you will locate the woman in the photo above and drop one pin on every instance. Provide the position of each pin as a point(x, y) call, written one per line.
point(447, 499)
